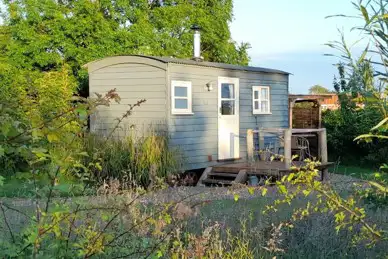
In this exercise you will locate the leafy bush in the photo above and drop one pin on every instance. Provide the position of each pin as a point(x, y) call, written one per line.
point(343, 126)
point(33, 121)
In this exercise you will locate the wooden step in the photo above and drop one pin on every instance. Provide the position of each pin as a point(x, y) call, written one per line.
point(204, 176)
point(228, 175)
point(216, 181)
point(220, 169)
point(211, 176)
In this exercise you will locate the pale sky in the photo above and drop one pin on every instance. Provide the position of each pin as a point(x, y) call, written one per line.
point(290, 35)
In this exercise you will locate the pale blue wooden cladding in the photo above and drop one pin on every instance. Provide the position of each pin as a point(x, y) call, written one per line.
point(134, 78)
point(199, 136)
point(196, 135)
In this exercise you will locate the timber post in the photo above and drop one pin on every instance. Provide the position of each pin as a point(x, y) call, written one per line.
point(323, 151)
point(250, 147)
point(261, 140)
point(287, 147)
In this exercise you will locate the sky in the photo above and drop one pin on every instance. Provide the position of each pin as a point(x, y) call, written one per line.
point(290, 35)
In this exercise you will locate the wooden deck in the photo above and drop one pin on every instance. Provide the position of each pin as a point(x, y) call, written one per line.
point(238, 172)
point(262, 167)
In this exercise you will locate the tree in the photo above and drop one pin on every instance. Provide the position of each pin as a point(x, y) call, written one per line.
point(46, 34)
point(318, 89)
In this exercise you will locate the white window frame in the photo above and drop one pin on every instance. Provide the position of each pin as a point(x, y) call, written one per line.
point(259, 99)
point(186, 84)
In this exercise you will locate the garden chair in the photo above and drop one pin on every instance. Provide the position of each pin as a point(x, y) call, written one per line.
point(302, 146)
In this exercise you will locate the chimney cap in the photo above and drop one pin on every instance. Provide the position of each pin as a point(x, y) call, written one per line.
point(195, 27)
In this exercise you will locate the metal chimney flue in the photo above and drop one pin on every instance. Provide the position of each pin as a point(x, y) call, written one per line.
point(197, 43)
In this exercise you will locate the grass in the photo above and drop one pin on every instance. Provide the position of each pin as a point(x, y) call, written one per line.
point(314, 237)
point(22, 188)
point(355, 171)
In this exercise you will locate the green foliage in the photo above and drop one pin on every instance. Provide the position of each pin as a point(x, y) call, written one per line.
point(43, 35)
point(35, 110)
point(357, 85)
point(348, 214)
point(343, 126)
point(362, 103)
point(354, 171)
point(318, 89)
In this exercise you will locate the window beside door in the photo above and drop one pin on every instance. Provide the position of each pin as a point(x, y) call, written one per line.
point(261, 100)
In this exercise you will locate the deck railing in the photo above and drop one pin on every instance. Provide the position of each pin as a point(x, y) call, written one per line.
point(287, 134)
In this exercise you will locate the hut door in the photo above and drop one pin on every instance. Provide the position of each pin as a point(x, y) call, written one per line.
point(228, 118)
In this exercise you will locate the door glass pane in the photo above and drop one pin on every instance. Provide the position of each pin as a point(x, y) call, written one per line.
point(227, 91)
point(256, 105)
point(181, 91)
point(264, 106)
point(227, 107)
point(256, 95)
point(264, 93)
point(181, 104)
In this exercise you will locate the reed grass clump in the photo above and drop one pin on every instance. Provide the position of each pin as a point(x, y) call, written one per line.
point(134, 160)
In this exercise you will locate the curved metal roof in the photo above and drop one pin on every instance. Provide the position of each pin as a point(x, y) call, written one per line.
point(215, 65)
point(167, 60)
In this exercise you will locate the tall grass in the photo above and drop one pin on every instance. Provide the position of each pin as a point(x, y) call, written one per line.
point(136, 160)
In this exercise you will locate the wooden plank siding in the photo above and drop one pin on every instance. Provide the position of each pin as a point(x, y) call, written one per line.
point(197, 134)
point(133, 82)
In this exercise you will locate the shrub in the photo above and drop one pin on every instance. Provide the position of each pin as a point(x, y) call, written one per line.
point(343, 126)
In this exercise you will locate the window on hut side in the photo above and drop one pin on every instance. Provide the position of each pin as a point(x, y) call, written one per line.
point(261, 102)
point(181, 97)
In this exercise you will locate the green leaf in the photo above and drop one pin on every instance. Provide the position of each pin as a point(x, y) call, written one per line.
point(167, 218)
point(379, 186)
point(264, 191)
point(365, 14)
point(98, 166)
point(363, 55)
point(39, 152)
point(82, 112)
point(85, 154)
point(2, 151)
point(104, 216)
point(306, 192)
point(282, 189)
point(290, 177)
point(365, 136)
point(381, 123)
point(251, 190)
point(52, 137)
